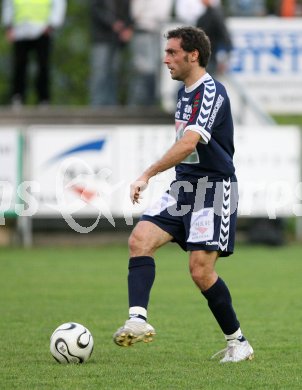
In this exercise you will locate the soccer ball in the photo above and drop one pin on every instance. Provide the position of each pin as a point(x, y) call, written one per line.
point(71, 343)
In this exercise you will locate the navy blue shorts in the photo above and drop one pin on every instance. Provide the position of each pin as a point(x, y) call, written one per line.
point(199, 216)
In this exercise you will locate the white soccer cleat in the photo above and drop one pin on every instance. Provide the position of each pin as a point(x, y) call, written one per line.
point(132, 332)
point(236, 351)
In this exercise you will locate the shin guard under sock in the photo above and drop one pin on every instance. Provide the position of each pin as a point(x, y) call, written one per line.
point(140, 280)
point(220, 302)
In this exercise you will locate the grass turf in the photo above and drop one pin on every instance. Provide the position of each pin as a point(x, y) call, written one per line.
point(44, 287)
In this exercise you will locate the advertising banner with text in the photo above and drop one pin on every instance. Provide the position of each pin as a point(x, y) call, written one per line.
point(86, 170)
point(267, 61)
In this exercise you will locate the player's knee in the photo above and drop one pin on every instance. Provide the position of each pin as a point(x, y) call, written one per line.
point(202, 278)
point(138, 244)
point(202, 272)
point(133, 242)
point(198, 274)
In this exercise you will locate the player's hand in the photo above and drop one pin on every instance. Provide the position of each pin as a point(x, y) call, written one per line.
point(136, 188)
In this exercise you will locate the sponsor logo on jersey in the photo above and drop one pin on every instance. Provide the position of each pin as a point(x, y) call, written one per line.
point(218, 104)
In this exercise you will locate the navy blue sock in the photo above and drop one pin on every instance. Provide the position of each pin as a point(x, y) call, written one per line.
point(140, 280)
point(220, 303)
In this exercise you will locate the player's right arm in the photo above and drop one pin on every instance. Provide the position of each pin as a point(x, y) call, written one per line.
point(175, 155)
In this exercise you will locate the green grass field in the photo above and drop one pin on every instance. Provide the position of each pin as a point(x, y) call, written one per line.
point(44, 287)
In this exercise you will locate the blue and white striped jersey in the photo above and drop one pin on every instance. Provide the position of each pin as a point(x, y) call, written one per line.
point(205, 108)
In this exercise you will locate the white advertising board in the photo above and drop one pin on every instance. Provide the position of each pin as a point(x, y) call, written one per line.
point(268, 168)
point(86, 171)
point(10, 170)
point(267, 61)
point(69, 166)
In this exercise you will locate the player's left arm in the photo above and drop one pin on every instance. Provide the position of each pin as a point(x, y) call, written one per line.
point(175, 155)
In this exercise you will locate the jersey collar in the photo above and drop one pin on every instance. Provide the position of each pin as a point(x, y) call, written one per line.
point(198, 82)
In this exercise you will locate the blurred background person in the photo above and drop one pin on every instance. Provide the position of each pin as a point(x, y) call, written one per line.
point(188, 11)
point(148, 17)
point(111, 30)
point(284, 8)
point(287, 8)
point(29, 28)
point(213, 23)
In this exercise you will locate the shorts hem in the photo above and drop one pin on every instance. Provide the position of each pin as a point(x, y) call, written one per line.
point(164, 228)
point(157, 223)
point(209, 248)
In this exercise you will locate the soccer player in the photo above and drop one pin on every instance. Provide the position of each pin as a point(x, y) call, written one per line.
point(199, 210)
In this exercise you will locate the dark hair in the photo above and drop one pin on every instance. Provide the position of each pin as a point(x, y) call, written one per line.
point(193, 38)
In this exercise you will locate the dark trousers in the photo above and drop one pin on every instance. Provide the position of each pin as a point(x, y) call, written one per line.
point(22, 50)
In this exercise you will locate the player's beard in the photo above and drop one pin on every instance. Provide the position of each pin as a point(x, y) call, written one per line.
point(181, 75)
point(177, 78)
